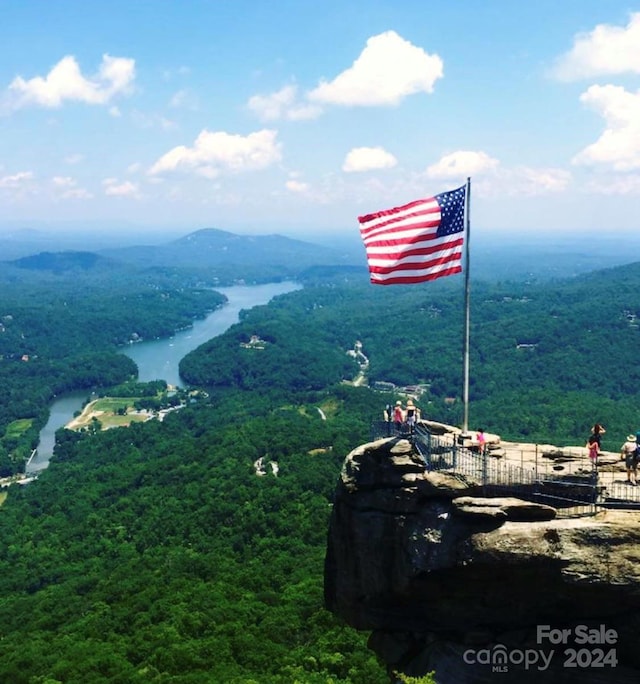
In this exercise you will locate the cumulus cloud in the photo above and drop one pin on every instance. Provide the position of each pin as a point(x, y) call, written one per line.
point(296, 186)
point(461, 164)
point(368, 158)
point(619, 145)
point(491, 179)
point(604, 51)
point(184, 99)
point(283, 104)
point(63, 181)
point(66, 82)
point(215, 152)
point(16, 180)
point(116, 188)
point(178, 99)
point(540, 181)
point(522, 181)
point(388, 69)
point(66, 187)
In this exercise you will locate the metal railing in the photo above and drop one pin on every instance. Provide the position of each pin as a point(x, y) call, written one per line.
point(574, 494)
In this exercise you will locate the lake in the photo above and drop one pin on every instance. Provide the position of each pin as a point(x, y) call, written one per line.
point(159, 359)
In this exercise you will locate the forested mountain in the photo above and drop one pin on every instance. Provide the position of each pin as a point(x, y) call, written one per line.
point(62, 262)
point(215, 248)
point(547, 360)
point(204, 258)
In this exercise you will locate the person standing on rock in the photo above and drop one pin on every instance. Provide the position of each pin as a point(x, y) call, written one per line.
point(593, 448)
point(413, 413)
point(398, 416)
point(482, 441)
point(388, 417)
point(629, 452)
point(597, 431)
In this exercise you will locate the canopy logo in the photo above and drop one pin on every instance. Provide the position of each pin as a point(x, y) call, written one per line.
point(500, 657)
point(591, 655)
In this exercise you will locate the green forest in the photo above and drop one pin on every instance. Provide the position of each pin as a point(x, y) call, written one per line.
point(547, 359)
point(158, 553)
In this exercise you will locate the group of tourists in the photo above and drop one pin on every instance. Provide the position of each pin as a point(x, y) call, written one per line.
point(403, 417)
point(630, 451)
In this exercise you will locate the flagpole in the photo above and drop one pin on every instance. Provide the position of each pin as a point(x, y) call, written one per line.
point(465, 386)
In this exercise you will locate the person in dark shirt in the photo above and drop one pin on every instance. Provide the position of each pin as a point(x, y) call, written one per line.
point(597, 431)
point(412, 414)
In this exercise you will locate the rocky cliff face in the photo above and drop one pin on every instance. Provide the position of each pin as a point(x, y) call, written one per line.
point(480, 590)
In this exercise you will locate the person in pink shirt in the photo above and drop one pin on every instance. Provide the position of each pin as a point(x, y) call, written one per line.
point(593, 449)
point(481, 440)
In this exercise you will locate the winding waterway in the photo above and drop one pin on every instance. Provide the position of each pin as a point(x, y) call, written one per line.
point(159, 359)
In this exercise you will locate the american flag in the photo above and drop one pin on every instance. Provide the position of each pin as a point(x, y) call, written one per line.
point(416, 242)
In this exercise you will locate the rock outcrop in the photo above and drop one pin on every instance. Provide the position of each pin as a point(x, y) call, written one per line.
point(474, 587)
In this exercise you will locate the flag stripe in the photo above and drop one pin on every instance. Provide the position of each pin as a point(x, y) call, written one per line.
point(415, 242)
point(397, 213)
point(421, 257)
point(416, 277)
point(419, 219)
point(445, 258)
point(403, 232)
point(398, 248)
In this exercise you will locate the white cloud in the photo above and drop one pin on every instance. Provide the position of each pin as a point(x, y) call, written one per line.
point(540, 181)
point(184, 99)
point(16, 180)
point(368, 158)
point(66, 187)
point(63, 181)
point(120, 189)
point(522, 181)
point(627, 184)
point(178, 99)
point(297, 186)
point(167, 124)
point(619, 145)
point(605, 50)
point(388, 69)
point(461, 164)
point(115, 112)
point(215, 152)
point(490, 179)
point(282, 104)
point(66, 82)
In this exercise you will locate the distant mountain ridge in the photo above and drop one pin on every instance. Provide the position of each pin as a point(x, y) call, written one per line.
point(61, 262)
point(211, 246)
point(205, 256)
point(259, 257)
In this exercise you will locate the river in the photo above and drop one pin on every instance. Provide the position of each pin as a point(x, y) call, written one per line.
point(159, 359)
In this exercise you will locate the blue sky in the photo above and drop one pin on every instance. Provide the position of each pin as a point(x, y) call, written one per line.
point(298, 116)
